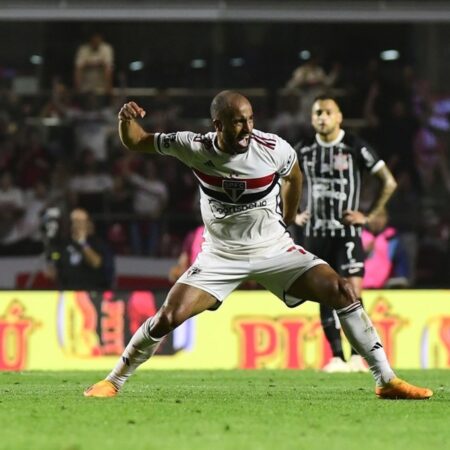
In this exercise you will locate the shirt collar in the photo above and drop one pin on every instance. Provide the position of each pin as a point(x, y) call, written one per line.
point(332, 143)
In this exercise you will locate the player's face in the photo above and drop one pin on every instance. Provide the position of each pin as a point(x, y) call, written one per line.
point(235, 128)
point(326, 117)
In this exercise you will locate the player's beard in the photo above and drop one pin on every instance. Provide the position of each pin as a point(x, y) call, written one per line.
point(325, 131)
point(237, 144)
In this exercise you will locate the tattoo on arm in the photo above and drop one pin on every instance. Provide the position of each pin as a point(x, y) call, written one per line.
point(388, 186)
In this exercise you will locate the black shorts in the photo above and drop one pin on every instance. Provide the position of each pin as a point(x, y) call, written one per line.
point(344, 254)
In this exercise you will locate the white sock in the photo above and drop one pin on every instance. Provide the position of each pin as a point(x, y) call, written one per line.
point(140, 348)
point(363, 337)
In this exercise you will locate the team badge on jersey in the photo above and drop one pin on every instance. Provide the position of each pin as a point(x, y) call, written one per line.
point(234, 188)
point(340, 162)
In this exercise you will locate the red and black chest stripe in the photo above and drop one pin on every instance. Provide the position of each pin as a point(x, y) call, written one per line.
point(236, 190)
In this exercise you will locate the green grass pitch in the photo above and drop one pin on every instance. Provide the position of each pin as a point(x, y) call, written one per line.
point(215, 410)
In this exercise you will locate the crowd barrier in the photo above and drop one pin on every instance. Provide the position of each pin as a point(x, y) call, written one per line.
point(52, 330)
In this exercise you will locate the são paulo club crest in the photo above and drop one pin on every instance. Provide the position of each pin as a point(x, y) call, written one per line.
point(234, 188)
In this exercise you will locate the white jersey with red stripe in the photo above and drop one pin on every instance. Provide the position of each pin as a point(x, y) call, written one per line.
point(240, 193)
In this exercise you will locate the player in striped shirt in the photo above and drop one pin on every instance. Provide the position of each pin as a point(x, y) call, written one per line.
point(333, 162)
point(243, 175)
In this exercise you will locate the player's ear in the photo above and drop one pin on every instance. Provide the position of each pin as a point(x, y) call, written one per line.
point(218, 125)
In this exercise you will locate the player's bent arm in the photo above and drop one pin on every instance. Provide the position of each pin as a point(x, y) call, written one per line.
point(291, 190)
point(135, 138)
point(91, 257)
point(388, 186)
point(132, 135)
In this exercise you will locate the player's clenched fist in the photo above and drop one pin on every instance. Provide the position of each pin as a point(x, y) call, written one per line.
point(130, 111)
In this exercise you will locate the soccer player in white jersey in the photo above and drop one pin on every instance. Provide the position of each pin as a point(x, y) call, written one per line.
point(243, 173)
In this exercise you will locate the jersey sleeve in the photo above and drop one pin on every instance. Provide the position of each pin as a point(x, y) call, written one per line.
point(179, 144)
point(286, 157)
point(369, 157)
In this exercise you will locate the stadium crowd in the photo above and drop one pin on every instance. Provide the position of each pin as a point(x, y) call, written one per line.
point(62, 150)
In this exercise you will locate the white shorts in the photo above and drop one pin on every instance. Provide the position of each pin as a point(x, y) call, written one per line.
point(219, 276)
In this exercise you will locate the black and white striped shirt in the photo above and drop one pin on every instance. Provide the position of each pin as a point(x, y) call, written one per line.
point(332, 171)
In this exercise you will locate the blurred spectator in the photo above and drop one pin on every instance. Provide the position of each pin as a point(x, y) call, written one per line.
point(59, 102)
point(127, 162)
point(12, 205)
point(433, 254)
point(58, 190)
point(369, 77)
point(431, 142)
point(7, 154)
point(13, 112)
point(149, 200)
point(89, 187)
point(404, 208)
point(388, 97)
point(311, 75)
point(183, 187)
point(431, 161)
point(311, 80)
point(34, 162)
point(94, 62)
point(165, 113)
point(286, 122)
point(440, 118)
point(54, 112)
point(120, 204)
point(396, 141)
point(25, 237)
point(82, 261)
point(386, 263)
point(93, 125)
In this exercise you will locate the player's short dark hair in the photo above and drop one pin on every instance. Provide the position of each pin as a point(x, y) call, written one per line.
point(325, 96)
point(218, 104)
point(222, 102)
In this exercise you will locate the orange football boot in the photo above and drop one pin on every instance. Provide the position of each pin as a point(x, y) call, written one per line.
point(398, 389)
point(103, 388)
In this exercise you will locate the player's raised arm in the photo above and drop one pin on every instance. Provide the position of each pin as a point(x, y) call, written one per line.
point(132, 135)
point(291, 191)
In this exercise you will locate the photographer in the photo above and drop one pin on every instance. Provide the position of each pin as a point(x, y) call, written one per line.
point(82, 261)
